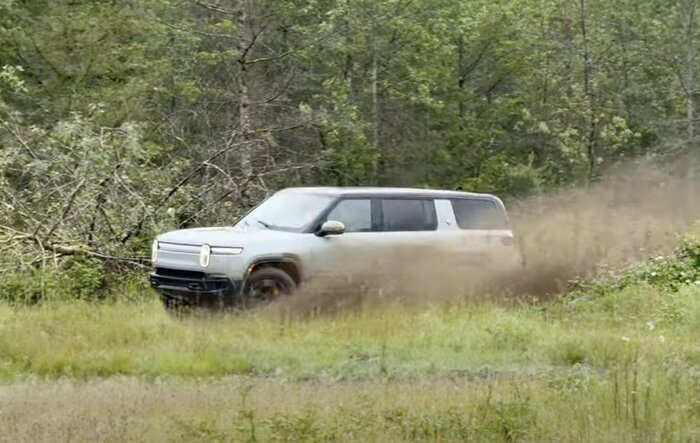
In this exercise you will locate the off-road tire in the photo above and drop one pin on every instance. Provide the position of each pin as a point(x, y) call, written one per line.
point(175, 307)
point(265, 285)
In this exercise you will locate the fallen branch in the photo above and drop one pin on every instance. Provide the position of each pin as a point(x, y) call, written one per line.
point(66, 209)
point(15, 237)
point(136, 227)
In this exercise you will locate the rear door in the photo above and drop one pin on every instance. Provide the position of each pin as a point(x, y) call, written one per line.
point(485, 237)
point(409, 235)
point(382, 234)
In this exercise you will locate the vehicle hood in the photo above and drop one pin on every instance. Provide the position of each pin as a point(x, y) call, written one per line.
point(221, 236)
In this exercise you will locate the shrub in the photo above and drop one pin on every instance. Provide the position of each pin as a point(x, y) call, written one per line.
point(666, 273)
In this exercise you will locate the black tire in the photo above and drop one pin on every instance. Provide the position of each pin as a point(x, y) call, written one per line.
point(267, 284)
point(181, 309)
point(173, 306)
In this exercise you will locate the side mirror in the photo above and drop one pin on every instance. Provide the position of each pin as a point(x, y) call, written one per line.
point(331, 227)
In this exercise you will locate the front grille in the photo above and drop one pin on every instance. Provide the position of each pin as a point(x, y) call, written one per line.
point(177, 273)
point(192, 281)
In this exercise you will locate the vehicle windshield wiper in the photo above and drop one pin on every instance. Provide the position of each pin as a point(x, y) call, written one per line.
point(267, 225)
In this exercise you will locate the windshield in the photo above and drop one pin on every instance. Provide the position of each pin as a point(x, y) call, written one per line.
point(287, 211)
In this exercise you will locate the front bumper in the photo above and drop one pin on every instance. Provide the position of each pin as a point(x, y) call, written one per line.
point(196, 288)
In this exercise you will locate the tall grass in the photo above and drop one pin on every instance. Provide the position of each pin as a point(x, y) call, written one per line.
point(629, 402)
point(604, 364)
point(87, 339)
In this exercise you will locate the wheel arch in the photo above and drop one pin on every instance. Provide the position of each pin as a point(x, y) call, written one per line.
point(289, 263)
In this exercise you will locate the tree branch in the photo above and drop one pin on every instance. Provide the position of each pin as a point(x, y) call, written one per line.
point(136, 227)
point(66, 209)
point(214, 8)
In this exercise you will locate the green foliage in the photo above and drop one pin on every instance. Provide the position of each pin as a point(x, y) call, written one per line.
point(667, 274)
point(122, 120)
point(486, 94)
point(30, 286)
point(86, 276)
point(77, 278)
point(81, 278)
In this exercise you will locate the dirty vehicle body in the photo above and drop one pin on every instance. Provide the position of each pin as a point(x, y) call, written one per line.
point(300, 234)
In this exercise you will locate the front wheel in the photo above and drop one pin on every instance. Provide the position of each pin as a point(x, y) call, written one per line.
point(266, 285)
point(174, 306)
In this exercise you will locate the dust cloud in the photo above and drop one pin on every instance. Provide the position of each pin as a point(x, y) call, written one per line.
point(635, 212)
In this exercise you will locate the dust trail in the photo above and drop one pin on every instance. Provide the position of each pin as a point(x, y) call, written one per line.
point(635, 212)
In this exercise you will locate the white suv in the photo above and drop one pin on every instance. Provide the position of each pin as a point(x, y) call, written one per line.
point(299, 234)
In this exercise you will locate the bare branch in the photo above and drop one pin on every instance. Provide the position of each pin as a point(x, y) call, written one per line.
point(66, 209)
point(19, 139)
point(195, 32)
point(208, 207)
point(136, 227)
point(224, 173)
point(214, 8)
point(282, 129)
point(249, 47)
point(279, 93)
point(287, 53)
point(41, 243)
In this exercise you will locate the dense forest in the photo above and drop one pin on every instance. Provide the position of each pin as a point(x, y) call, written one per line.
point(121, 118)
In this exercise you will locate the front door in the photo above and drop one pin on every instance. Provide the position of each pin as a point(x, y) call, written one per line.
point(342, 255)
point(387, 239)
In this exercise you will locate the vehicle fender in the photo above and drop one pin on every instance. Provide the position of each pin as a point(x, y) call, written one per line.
point(285, 259)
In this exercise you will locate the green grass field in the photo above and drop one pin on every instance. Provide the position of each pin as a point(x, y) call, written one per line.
point(621, 365)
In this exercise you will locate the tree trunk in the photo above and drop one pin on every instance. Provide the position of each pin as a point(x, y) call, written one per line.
point(689, 87)
point(245, 127)
point(461, 80)
point(690, 70)
point(349, 62)
point(539, 147)
point(375, 115)
point(538, 152)
point(592, 137)
point(348, 71)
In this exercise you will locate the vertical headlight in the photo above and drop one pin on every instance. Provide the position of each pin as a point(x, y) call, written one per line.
point(154, 251)
point(204, 256)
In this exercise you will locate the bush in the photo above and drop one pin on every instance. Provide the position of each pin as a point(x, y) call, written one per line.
point(666, 273)
point(29, 286)
point(77, 277)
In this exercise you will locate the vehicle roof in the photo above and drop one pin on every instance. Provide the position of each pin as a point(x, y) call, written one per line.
point(379, 191)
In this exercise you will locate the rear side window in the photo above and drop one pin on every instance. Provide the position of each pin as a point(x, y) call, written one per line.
point(479, 214)
point(408, 215)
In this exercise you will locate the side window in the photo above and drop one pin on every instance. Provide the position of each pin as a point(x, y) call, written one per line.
point(479, 214)
point(408, 215)
point(355, 214)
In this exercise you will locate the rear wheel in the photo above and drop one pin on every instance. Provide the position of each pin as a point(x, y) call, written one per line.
point(266, 285)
